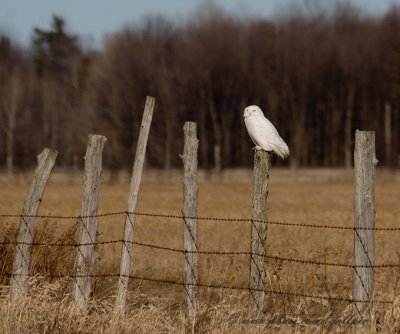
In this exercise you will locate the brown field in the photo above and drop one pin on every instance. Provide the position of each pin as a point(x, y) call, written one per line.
point(323, 197)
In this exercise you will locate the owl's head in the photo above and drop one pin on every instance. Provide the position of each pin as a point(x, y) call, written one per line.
point(252, 111)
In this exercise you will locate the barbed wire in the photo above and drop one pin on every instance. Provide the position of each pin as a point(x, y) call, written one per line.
point(208, 286)
point(67, 217)
point(221, 219)
point(204, 252)
point(61, 244)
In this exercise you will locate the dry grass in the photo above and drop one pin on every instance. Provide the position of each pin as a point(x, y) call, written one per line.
point(313, 196)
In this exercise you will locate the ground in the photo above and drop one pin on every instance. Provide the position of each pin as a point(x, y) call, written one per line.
point(315, 197)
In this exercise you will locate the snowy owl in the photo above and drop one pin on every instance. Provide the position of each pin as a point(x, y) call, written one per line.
point(263, 133)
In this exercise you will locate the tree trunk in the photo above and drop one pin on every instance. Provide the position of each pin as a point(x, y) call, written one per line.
point(14, 95)
point(348, 127)
point(10, 141)
point(300, 143)
point(203, 138)
point(168, 147)
point(388, 134)
point(217, 136)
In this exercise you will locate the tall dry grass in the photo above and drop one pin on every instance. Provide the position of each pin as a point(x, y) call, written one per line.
point(46, 310)
point(312, 197)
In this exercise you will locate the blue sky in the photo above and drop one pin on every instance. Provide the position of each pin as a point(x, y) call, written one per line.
point(92, 19)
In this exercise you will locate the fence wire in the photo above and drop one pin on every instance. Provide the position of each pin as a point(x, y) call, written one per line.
point(204, 252)
point(208, 286)
point(216, 219)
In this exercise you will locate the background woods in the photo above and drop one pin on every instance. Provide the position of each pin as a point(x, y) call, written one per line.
point(318, 76)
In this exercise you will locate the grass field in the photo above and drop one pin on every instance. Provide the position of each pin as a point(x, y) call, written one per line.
point(323, 197)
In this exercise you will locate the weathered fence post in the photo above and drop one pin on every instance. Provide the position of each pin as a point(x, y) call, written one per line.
point(46, 160)
point(364, 218)
point(126, 256)
point(85, 256)
point(262, 164)
point(190, 191)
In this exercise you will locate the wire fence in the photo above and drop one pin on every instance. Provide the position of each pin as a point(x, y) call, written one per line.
point(217, 219)
point(209, 286)
point(204, 252)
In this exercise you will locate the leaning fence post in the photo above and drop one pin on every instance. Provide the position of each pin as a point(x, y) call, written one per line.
point(126, 256)
point(190, 242)
point(46, 160)
point(364, 218)
point(262, 164)
point(85, 257)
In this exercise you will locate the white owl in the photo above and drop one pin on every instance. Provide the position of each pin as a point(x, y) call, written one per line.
point(263, 133)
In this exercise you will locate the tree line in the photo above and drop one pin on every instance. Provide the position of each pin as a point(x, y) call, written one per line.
point(317, 76)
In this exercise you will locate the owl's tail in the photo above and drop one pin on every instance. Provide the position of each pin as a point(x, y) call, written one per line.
point(282, 150)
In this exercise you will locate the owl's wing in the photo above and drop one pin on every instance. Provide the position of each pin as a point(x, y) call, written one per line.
point(274, 139)
point(264, 134)
point(269, 133)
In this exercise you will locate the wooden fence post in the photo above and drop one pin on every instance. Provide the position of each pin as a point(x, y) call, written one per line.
point(364, 217)
point(262, 164)
point(190, 242)
point(126, 256)
point(46, 160)
point(85, 256)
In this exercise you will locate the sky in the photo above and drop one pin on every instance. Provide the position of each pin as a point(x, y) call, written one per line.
point(93, 19)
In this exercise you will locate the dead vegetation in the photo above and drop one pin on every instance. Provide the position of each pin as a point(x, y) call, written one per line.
point(313, 197)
